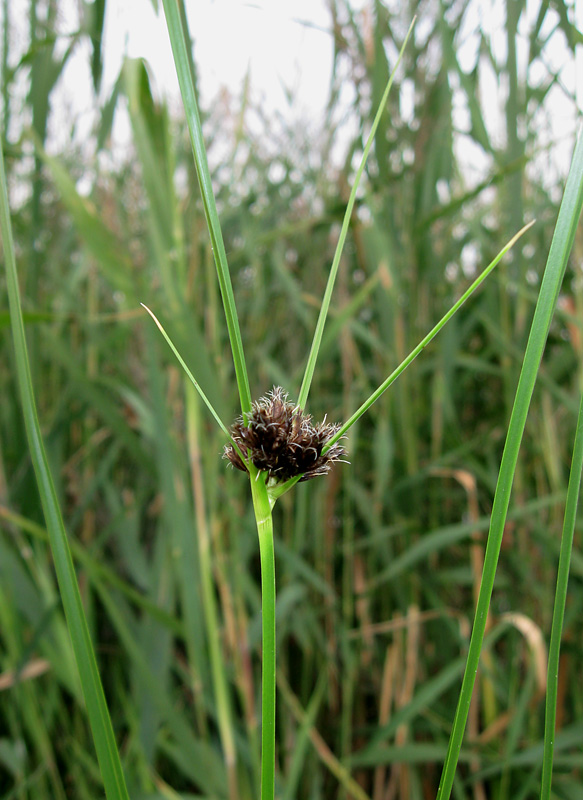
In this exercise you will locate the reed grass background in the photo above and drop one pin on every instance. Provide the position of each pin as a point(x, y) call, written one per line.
point(377, 567)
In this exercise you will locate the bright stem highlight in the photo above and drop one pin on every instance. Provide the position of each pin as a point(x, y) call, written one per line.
point(262, 508)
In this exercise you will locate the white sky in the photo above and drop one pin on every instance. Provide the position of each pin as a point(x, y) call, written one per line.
point(287, 45)
point(284, 45)
point(278, 41)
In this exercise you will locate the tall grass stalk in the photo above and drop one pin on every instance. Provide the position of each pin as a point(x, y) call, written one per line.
point(182, 52)
point(105, 744)
point(561, 245)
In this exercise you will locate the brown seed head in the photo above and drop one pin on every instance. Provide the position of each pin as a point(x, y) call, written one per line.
point(280, 439)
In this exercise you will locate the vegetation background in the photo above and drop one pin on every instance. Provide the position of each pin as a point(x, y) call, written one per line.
point(378, 566)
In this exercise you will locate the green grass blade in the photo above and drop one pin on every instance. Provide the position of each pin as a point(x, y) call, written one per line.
point(318, 333)
point(180, 41)
point(559, 609)
point(191, 377)
point(561, 244)
point(195, 383)
point(425, 341)
point(105, 745)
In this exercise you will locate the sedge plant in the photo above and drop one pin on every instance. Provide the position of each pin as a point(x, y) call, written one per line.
point(276, 443)
point(274, 440)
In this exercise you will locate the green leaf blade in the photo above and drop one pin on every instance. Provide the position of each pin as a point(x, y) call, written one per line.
point(99, 719)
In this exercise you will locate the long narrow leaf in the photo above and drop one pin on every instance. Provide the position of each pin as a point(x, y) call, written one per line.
point(554, 272)
point(105, 745)
point(179, 39)
point(195, 383)
point(425, 341)
point(318, 333)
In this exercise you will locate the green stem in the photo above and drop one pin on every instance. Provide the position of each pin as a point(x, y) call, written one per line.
point(264, 521)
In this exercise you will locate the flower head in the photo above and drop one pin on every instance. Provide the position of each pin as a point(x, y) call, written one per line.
point(280, 439)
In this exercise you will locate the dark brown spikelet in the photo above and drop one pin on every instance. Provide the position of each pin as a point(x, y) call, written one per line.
point(280, 439)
